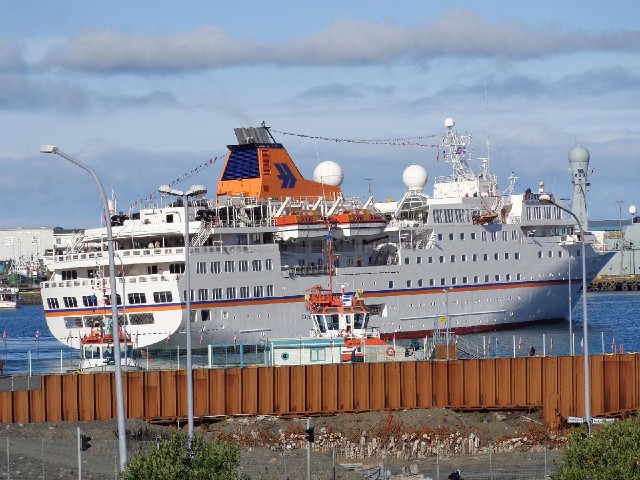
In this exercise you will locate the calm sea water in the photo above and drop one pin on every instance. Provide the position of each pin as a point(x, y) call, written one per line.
point(611, 318)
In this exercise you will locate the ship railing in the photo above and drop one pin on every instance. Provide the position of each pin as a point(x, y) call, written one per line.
point(102, 283)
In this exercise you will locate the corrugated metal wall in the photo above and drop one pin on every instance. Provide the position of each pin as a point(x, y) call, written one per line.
point(554, 383)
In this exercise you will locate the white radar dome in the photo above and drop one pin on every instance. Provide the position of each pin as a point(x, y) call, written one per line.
point(449, 122)
point(579, 155)
point(632, 209)
point(414, 177)
point(329, 173)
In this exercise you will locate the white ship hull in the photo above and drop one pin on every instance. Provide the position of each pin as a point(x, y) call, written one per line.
point(420, 272)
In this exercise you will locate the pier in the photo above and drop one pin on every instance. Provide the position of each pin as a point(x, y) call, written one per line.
point(615, 283)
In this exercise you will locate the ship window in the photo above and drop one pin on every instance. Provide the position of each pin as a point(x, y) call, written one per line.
point(419, 260)
point(506, 255)
point(508, 277)
point(432, 282)
point(550, 253)
point(462, 236)
point(176, 268)
point(560, 253)
point(203, 294)
point(540, 255)
point(136, 297)
point(269, 290)
point(231, 293)
point(184, 295)
point(465, 280)
point(90, 300)
point(205, 315)
point(474, 257)
point(408, 283)
point(485, 257)
point(141, 319)
point(451, 236)
point(476, 279)
point(94, 321)
point(453, 258)
point(517, 255)
point(440, 236)
point(268, 264)
point(486, 279)
point(229, 266)
point(497, 278)
point(151, 270)
point(441, 259)
point(244, 292)
point(454, 280)
point(518, 276)
point(258, 291)
point(578, 253)
point(216, 294)
point(359, 320)
point(170, 218)
point(317, 355)
point(514, 235)
point(406, 261)
point(442, 281)
point(463, 258)
point(494, 236)
point(243, 266)
point(69, 274)
point(473, 235)
point(420, 282)
point(483, 236)
point(107, 299)
point(430, 260)
point(73, 322)
point(256, 265)
point(505, 235)
point(201, 267)
point(162, 297)
point(390, 283)
point(496, 256)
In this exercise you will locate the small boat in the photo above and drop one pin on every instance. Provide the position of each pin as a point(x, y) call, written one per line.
point(358, 222)
point(97, 351)
point(9, 297)
point(303, 224)
point(484, 218)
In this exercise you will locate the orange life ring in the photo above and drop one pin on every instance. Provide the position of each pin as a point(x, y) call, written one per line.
point(390, 352)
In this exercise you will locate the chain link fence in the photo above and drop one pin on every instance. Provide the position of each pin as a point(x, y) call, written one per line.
point(57, 458)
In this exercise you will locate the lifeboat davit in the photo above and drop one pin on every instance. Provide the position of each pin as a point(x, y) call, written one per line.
point(358, 222)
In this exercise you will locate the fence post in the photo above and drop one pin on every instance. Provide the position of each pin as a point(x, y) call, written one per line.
point(491, 461)
point(8, 461)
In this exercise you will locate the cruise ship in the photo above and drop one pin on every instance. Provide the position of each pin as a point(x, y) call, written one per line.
point(466, 258)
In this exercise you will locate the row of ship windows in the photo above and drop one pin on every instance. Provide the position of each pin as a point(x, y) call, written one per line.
point(464, 280)
point(485, 257)
point(230, 266)
point(202, 294)
point(505, 235)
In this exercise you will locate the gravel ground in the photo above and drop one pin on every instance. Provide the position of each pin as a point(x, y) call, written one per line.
point(270, 445)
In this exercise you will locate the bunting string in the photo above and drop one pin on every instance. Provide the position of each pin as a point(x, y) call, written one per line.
point(153, 196)
point(396, 142)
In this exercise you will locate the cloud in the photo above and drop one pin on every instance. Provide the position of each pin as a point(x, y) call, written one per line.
point(459, 33)
point(20, 93)
point(341, 92)
point(11, 59)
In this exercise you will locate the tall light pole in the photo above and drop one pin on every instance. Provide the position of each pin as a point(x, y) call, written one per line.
point(122, 430)
point(194, 191)
point(545, 199)
point(619, 203)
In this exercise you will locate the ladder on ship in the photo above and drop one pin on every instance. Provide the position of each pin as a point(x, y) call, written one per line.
point(203, 234)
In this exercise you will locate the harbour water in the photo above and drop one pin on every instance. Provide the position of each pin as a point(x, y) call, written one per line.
point(611, 319)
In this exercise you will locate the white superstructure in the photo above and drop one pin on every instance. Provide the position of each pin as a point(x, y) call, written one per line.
point(467, 258)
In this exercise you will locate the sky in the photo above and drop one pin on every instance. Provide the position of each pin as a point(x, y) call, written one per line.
point(148, 93)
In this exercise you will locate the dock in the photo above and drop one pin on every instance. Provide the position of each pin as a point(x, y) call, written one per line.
point(614, 283)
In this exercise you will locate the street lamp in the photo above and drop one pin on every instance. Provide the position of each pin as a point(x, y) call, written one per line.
point(194, 191)
point(545, 199)
point(122, 430)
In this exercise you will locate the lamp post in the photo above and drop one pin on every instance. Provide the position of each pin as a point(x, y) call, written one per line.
point(122, 430)
point(545, 199)
point(194, 191)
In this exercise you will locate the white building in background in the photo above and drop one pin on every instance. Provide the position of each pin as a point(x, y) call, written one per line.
point(26, 243)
